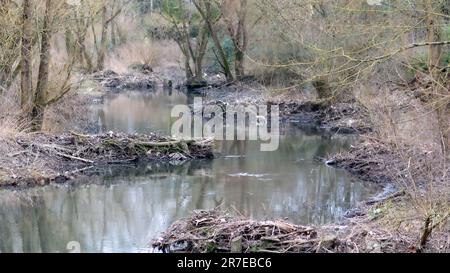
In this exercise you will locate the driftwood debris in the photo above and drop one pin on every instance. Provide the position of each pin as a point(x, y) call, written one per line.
point(110, 148)
point(212, 231)
point(40, 159)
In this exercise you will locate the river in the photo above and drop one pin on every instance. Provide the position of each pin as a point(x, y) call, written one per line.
point(122, 208)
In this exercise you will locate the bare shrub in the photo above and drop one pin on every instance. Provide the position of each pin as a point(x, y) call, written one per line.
point(124, 56)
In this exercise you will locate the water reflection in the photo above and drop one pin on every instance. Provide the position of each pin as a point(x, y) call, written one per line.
point(121, 209)
point(139, 112)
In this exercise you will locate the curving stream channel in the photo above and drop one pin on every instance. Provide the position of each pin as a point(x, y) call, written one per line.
point(121, 209)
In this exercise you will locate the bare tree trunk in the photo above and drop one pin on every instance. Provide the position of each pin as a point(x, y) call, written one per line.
point(239, 58)
point(84, 55)
point(434, 35)
point(202, 44)
point(443, 114)
point(187, 66)
point(43, 76)
point(104, 38)
point(206, 13)
point(192, 53)
point(324, 91)
point(103, 42)
point(26, 58)
point(240, 41)
point(113, 30)
point(69, 43)
point(113, 35)
point(122, 38)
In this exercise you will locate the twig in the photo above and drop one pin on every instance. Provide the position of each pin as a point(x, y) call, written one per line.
point(75, 158)
point(79, 170)
point(17, 153)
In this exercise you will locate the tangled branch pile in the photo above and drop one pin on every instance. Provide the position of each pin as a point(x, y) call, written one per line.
point(112, 148)
point(343, 118)
point(211, 231)
point(136, 81)
point(369, 161)
point(378, 161)
point(44, 158)
point(422, 176)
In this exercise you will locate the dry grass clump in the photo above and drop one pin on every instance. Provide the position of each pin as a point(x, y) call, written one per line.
point(398, 117)
point(407, 152)
point(405, 222)
point(423, 178)
point(74, 112)
point(9, 128)
point(131, 53)
point(10, 122)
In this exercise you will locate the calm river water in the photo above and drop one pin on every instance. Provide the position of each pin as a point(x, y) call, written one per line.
point(122, 209)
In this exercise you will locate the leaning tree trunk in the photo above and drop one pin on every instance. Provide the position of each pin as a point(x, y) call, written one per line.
point(202, 44)
point(103, 40)
point(43, 76)
point(240, 46)
point(222, 56)
point(26, 58)
point(206, 14)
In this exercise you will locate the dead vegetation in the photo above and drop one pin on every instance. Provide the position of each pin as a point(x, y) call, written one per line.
point(421, 178)
point(342, 118)
point(135, 81)
point(213, 231)
point(39, 159)
point(369, 161)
